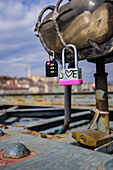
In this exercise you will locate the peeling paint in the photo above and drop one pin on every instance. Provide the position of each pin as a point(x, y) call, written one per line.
point(6, 161)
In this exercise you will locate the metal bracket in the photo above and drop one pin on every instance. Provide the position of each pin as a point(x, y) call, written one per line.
point(97, 112)
point(39, 25)
point(54, 18)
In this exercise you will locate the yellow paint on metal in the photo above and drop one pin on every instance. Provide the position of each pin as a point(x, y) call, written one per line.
point(57, 137)
point(3, 126)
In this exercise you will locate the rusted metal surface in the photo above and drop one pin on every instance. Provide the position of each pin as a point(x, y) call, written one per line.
point(8, 161)
point(65, 138)
point(36, 112)
point(23, 111)
point(102, 104)
point(54, 122)
point(48, 100)
point(80, 99)
point(104, 50)
point(39, 121)
point(3, 113)
point(3, 126)
point(102, 96)
point(107, 148)
point(50, 154)
point(48, 148)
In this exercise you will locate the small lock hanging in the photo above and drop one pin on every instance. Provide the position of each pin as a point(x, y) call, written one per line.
point(70, 76)
point(51, 67)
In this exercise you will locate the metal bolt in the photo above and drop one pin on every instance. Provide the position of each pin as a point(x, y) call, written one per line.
point(16, 151)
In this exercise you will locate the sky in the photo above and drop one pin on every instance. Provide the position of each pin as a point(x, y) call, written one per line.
point(20, 48)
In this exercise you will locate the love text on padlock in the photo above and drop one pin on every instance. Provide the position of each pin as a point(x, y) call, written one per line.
point(70, 73)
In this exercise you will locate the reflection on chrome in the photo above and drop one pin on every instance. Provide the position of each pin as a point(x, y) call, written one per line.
point(91, 3)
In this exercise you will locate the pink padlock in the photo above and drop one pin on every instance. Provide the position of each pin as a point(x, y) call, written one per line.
point(70, 76)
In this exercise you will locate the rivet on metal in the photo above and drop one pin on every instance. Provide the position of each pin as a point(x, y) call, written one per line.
point(16, 151)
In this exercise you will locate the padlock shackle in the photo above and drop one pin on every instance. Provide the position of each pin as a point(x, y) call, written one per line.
point(75, 56)
point(53, 54)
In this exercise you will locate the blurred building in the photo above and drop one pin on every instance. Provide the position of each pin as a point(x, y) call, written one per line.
point(40, 84)
point(13, 89)
point(88, 86)
point(110, 87)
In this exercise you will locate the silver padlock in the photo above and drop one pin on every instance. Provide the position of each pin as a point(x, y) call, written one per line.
point(70, 76)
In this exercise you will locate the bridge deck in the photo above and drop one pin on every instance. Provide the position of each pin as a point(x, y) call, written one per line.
point(50, 154)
